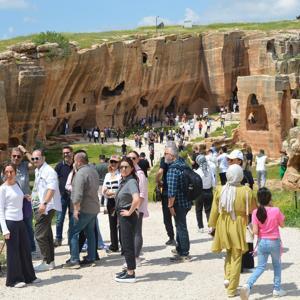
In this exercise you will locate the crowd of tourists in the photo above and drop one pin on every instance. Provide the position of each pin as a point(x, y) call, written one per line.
point(79, 188)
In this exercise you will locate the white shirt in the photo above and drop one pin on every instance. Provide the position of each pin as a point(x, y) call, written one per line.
point(45, 179)
point(207, 181)
point(110, 183)
point(96, 134)
point(11, 204)
point(223, 163)
point(261, 163)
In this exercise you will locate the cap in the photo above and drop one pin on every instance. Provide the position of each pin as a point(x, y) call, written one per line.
point(115, 157)
point(236, 154)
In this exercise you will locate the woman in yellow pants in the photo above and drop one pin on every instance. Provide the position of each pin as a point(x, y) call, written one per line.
point(231, 205)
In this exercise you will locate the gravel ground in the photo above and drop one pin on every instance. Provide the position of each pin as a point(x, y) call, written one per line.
point(158, 278)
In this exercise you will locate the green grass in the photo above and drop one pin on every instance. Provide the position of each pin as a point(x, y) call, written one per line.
point(220, 131)
point(152, 181)
point(272, 172)
point(86, 40)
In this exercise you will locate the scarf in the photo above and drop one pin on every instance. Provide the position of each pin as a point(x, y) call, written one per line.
point(234, 177)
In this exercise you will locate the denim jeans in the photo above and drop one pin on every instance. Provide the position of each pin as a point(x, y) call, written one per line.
point(182, 235)
point(28, 223)
point(101, 243)
point(60, 218)
point(261, 178)
point(86, 222)
point(267, 247)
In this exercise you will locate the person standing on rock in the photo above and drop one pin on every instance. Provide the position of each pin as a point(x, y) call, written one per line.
point(46, 200)
point(178, 203)
point(63, 169)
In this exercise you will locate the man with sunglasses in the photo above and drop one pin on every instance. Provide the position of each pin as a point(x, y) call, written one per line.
point(45, 201)
point(63, 169)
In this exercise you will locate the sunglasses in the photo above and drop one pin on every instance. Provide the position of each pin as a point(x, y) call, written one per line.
point(35, 158)
point(124, 167)
point(131, 157)
point(66, 153)
point(16, 156)
point(113, 161)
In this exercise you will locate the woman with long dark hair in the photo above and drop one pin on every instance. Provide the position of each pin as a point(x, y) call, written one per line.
point(266, 221)
point(19, 262)
point(127, 203)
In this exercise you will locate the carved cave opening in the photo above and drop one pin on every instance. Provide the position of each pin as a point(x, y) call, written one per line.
point(144, 102)
point(68, 107)
point(271, 47)
point(171, 108)
point(259, 119)
point(84, 100)
point(144, 57)
point(107, 92)
point(291, 50)
point(74, 108)
point(54, 112)
point(77, 127)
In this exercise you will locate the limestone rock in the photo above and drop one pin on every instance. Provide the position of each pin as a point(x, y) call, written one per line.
point(23, 47)
point(47, 47)
point(7, 55)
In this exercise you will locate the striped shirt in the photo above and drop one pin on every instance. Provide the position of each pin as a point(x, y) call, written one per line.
point(112, 183)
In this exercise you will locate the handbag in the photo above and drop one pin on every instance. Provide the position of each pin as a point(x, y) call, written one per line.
point(249, 234)
point(27, 209)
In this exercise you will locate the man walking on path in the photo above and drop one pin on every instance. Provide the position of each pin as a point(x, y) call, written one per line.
point(63, 170)
point(261, 171)
point(178, 203)
point(45, 201)
point(85, 202)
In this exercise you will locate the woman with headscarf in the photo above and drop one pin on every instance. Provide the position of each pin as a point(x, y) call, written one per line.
point(229, 216)
point(206, 197)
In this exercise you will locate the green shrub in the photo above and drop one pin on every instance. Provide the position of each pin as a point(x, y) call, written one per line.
point(53, 37)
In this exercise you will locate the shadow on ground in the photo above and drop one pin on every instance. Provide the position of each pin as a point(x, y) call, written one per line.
point(266, 290)
point(58, 279)
point(173, 276)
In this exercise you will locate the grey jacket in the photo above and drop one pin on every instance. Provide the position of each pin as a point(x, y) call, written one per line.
point(85, 190)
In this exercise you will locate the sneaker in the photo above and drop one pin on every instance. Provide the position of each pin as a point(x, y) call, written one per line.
point(51, 265)
point(279, 293)
point(20, 285)
point(111, 249)
point(245, 292)
point(126, 278)
point(174, 252)
point(121, 274)
point(87, 263)
point(57, 243)
point(37, 280)
point(171, 242)
point(43, 266)
point(180, 258)
point(71, 265)
point(226, 283)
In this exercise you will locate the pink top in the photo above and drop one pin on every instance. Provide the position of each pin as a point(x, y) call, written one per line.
point(143, 186)
point(270, 228)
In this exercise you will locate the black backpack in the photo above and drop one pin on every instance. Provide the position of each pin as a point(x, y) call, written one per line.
point(192, 182)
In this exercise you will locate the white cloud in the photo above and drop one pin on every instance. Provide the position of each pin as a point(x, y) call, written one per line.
point(29, 20)
point(13, 4)
point(151, 21)
point(191, 15)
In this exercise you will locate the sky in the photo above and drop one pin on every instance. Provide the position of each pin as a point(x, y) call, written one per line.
point(23, 17)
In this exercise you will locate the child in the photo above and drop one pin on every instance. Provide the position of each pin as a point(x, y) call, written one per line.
point(266, 221)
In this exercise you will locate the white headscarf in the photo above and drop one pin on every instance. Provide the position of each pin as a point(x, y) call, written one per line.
point(234, 177)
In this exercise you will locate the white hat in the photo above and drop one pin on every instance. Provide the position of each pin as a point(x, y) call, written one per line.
point(236, 154)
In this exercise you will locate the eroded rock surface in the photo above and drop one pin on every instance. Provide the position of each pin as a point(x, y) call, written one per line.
point(115, 84)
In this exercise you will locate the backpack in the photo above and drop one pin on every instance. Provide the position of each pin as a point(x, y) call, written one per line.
point(192, 182)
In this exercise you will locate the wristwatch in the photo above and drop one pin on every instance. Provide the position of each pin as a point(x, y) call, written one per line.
point(45, 203)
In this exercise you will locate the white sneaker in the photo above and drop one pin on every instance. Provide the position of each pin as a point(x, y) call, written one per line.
point(245, 292)
point(20, 285)
point(51, 265)
point(37, 280)
point(279, 293)
point(41, 267)
point(226, 283)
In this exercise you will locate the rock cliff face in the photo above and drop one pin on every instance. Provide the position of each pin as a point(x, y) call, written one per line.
point(117, 83)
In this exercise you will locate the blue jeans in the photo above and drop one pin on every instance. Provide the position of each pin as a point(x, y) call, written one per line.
point(28, 223)
point(86, 223)
point(182, 234)
point(100, 239)
point(60, 218)
point(267, 247)
point(261, 178)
